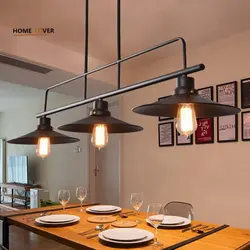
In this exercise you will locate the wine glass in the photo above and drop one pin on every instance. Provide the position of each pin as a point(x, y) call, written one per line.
point(136, 200)
point(81, 194)
point(64, 197)
point(155, 218)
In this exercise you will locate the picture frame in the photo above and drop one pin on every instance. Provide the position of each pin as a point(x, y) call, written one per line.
point(205, 126)
point(182, 140)
point(166, 134)
point(245, 93)
point(161, 118)
point(205, 131)
point(207, 92)
point(227, 126)
point(245, 126)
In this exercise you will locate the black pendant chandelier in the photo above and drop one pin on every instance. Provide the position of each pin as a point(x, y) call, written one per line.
point(185, 93)
point(100, 123)
point(186, 105)
point(43, 136)
point(100, 115)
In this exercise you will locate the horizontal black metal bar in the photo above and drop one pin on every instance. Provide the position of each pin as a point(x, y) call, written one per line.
point(120, 61)
point(126, 89)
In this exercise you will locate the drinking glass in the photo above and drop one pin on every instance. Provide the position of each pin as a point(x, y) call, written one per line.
point(64, 197)
point(155, 218)
point(136, 200)
point(81, 194)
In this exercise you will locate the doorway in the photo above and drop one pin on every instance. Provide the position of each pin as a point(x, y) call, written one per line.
point(104, 168)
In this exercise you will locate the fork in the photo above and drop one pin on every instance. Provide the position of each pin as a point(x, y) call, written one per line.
point(41, 215)
point(95, 235)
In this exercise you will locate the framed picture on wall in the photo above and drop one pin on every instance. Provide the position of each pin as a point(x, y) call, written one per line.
point(245, 93)
point(182, 140)
point(166, 134)
point(161, 118)
point(205, 131)
point(245, 126)
point(207, 93)
point(205, 126)
point(227, 126)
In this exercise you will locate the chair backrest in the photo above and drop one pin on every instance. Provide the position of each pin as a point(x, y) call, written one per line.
point(179, 208)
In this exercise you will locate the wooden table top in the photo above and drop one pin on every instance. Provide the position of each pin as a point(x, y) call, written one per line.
point(40, 210)
point(226, 239)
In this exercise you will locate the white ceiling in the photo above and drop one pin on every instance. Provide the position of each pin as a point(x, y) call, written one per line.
point(144, 22)
point(20, 86)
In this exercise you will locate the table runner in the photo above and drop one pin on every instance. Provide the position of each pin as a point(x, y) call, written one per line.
point(246, 246)
point(185, 242)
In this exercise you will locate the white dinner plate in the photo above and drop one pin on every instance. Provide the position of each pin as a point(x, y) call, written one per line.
point(185, 222)
point(172, 220)
point(126, 235)
point(96, 210)
point(38, 220)
point(103, 208)
point(57, 218)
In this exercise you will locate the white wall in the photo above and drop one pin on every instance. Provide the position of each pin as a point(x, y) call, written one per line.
point(213, 177)
point(63, 169)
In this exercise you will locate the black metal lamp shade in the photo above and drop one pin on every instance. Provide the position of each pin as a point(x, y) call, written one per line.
point(44, 129)
point(185, 93)
point(100, 115)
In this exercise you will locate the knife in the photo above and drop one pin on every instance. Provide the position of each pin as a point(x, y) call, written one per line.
point(190, 228)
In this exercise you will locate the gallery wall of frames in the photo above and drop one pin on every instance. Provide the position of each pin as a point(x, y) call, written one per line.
point(227, 127)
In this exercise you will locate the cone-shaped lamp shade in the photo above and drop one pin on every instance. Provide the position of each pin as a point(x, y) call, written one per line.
point(100, 115)
point(44, 129)
point(185, 93)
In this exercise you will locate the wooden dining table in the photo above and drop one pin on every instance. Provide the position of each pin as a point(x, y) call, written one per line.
point(228, 238)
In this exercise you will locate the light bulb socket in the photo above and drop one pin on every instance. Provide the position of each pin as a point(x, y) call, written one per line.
point(44, 124)
point(100, 108)
point(185, 86)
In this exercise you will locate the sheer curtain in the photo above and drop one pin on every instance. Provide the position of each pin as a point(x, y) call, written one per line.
point(2, 160)
point(17, 169)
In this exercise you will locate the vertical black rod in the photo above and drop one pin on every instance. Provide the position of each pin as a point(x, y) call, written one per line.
point(118, 43)
point(184, 52)
point(5, 233)
point(86, 47)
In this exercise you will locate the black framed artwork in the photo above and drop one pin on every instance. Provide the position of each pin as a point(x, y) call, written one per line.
point(182, 140)
point(207, 93)
point(161, 118)
point(245, 126)
point(166, 134)
point(245, 93)
point(227, 126)
point(205, 126)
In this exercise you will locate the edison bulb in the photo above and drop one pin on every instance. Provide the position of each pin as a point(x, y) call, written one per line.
point(43, 147)
point(186, 122)
point(99, 137)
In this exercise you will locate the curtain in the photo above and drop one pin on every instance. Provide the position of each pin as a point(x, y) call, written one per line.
point(17, 169)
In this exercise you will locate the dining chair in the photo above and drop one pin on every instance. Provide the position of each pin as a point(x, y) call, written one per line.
point(179, 208)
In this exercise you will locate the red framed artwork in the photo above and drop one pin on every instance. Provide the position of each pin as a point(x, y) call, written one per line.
point(205, 126)
point(205, 131)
